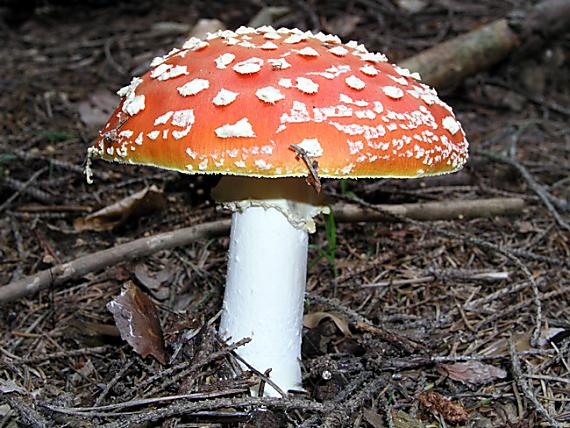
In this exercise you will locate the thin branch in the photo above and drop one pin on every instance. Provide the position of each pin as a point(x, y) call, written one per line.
point(22, 188)
point(475, 241)
point(75, 269)
point(522, 383)
point(142, 247)
point(532, 183)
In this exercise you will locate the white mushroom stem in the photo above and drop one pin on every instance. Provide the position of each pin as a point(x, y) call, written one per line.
point(264, 293)
point(267, 270)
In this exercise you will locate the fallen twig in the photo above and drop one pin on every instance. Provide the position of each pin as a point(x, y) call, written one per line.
point(536, 188)
point(449, 63)
point(522, 383)
point(342, 410)
point(312, 165)
point(86, 411)
point(92, 262)
point(189, 408)
point(24, 188)
point(142, 247)
point(113, 382)
point(475, 241)
point(440, 210)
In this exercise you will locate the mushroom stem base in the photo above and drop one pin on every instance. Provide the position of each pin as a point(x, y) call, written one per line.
point(264, 293)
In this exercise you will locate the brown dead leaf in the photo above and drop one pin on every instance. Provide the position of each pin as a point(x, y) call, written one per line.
point(137, 320)
point(313, 319)
point(437, 404)
point(473, 372)
point(134, 206)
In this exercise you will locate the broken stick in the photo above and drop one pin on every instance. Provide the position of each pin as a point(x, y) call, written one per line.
point(450, 62)
point(142, 247)
point(313, 179)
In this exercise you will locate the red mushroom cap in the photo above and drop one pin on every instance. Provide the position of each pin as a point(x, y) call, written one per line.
point(236, 102)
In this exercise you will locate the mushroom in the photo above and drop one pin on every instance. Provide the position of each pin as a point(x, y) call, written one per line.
point(266, 108)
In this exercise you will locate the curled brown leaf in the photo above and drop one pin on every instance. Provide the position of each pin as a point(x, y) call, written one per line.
point(313, 319)
point(137, 320)
point(133, 206)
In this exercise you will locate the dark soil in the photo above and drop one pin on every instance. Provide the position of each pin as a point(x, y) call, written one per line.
point(489, 293)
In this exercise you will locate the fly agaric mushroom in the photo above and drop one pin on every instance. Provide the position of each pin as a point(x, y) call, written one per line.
point(265, 104)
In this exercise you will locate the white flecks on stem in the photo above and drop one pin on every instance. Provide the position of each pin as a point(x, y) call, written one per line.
point(275, 329)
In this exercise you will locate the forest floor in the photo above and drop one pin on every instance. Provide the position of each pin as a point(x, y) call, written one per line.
point(461, 322)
